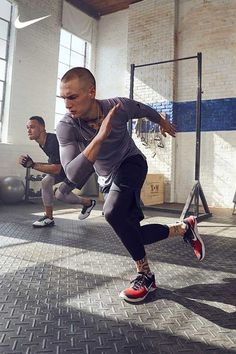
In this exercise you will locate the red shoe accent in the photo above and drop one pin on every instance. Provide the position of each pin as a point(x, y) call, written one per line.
point(143, 285)
point(193, 238)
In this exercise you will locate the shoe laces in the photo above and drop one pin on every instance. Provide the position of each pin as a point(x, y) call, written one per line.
point(43, 218)
point(85, 207)
point(138, 281)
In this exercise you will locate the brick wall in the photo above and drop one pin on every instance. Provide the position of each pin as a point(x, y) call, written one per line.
point(208, 27)
point(9, 154)
point(33, 76)
point(34, 72)
point(166, 29)
point(32, 80)
point(111, 64)
point(151, 38)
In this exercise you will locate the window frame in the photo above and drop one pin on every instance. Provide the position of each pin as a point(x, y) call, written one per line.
point(6, 59)
point(85, 62)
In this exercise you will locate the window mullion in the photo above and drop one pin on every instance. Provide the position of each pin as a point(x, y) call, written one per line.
point(79, 52)
point(6, 61)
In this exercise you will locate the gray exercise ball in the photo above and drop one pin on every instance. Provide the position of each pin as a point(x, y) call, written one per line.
point(12, 189)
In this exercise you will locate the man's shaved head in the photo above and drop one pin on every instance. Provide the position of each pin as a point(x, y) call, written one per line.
point(80, 73)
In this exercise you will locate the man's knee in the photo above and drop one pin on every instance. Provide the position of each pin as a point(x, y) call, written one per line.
point(110, 214)
point(47, 182)
point(58, 195)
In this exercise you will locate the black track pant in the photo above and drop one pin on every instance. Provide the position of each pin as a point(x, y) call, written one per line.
point(122, 208)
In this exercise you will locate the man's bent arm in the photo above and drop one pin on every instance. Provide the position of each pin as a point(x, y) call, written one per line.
point(47, 168)
point(75, 164)
point(93, 148)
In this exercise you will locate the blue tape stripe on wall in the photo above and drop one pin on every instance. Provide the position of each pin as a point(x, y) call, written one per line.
point(218, 114)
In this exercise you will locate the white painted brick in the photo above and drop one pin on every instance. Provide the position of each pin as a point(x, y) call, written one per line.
point(9, 154)
point(34, 61)
point(34, 71)
point(151, 39)
point(208, 27)
point(111, 68)
point(217, 168)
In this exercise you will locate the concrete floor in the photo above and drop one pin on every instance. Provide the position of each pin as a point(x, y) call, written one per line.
point(59, 287)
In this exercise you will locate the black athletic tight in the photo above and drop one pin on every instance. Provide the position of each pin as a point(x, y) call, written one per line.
point(123, 212)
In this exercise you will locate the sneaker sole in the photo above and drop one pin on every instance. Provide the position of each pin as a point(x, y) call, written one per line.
point(134, 300)
point(41, 226)
point(195, 231)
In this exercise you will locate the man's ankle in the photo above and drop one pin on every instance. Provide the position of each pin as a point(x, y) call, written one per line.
point(178, 229)
point(143, 266)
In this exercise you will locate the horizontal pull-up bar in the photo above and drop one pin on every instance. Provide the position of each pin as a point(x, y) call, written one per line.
point(164, 62)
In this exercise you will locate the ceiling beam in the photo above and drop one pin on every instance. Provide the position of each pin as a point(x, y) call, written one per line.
point(81, 5)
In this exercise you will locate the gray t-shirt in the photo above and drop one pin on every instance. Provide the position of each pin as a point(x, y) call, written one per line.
point(74, 136)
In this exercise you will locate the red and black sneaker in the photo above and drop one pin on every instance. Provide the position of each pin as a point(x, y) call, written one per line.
point(192, 237)
point(143, 284)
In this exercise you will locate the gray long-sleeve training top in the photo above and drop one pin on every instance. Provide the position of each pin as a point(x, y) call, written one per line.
point(74, 137)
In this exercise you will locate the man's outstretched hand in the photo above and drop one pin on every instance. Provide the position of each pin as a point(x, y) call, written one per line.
point(167, 127)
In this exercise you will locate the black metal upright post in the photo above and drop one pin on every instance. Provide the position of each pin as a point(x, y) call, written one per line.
point(27, 184)
point(198, 117)
point(198, 132)
point(131, 94)
point(131, 91)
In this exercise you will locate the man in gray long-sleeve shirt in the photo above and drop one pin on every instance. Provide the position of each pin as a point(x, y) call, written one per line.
point(94, 136)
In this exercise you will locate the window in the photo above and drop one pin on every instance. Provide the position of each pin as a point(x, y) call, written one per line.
point(73, 52)
point(5, 21)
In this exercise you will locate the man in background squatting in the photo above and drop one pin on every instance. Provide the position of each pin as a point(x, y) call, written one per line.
point(54, 174)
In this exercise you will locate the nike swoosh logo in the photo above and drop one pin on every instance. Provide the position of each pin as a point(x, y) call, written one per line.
point(18, 24)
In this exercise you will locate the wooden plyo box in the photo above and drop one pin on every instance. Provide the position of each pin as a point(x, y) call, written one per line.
point(153, 190)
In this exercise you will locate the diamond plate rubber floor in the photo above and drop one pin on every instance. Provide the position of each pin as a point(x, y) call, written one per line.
point(59, 288)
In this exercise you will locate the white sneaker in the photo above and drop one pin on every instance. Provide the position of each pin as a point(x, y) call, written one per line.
point(85, 212)
point(45, 221)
